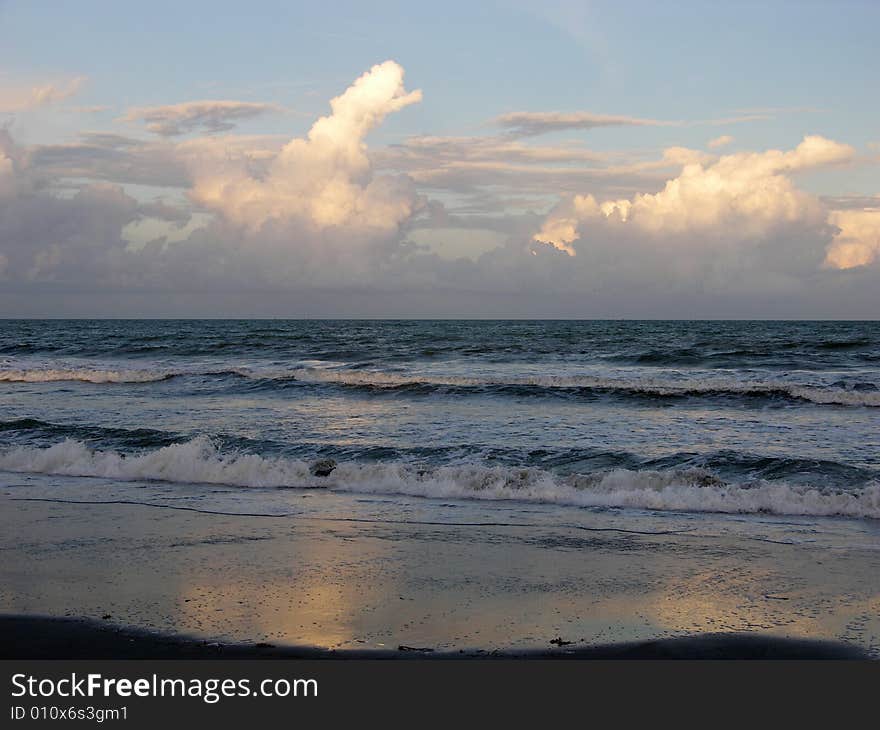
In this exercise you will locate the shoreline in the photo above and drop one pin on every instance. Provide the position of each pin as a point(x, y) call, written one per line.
point(24, 637)
point(352, 577)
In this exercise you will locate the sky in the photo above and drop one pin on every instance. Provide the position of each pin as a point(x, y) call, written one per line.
point(456, 159)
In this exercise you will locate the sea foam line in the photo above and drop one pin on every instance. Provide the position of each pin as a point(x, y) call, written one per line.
point(648, 386)
point(86, 375)
point(822, 395)
point(682, 490)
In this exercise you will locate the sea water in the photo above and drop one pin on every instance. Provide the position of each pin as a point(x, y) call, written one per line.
point(674, 418)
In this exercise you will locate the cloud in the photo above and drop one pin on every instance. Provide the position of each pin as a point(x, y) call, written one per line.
point(321, 224)
point(436, 150)
point(7, 175)
point(162, 162)
point(480, 173)
point(718, 142)
point(325, 180)
point(745, 195)
point(307, 210)
point(20, 98)
point(851, 202)
point(724, 121)
point(857, 242)
point(530, 124)
point(111, 158)
point(192, 116)
point(45, 236)
point(484, 170)
point(12, 160)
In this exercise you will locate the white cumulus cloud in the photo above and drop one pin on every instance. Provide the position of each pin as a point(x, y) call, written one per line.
point(325, 180)
point(745, 196)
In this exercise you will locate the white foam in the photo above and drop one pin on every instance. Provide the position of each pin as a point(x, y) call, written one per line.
point(690, 490)
point(86, 375)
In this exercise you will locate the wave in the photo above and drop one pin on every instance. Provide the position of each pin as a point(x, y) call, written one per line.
point(727, 463)
point(33, 428)
point(101, 375)
point(689, 490)
point(856, 343)
point(85, 375)
point(372, 380)
point(823, 395)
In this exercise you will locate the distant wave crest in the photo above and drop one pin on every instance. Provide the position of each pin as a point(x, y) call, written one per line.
point(372, 380)
point(640, 385)
point(85, 375)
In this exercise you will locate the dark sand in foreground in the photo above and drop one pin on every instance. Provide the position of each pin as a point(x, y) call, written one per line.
point(32, 637)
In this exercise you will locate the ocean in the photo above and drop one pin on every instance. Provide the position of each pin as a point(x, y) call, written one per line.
point(660, 417)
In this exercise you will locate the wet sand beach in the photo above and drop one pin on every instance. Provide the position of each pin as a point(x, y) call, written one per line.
point(316, 582)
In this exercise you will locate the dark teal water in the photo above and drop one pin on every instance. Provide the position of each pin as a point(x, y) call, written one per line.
point(751, 417)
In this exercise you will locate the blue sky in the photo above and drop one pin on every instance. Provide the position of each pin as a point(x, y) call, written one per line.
point(765, 74)
point(677, 60)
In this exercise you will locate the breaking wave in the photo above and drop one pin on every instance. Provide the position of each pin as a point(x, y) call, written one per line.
point(688, 490)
